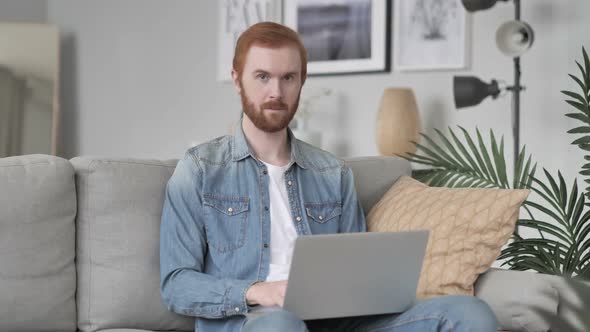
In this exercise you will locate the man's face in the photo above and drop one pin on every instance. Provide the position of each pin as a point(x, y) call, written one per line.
point(269, 86)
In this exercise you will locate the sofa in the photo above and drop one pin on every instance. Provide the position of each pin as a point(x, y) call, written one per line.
point(79, 250)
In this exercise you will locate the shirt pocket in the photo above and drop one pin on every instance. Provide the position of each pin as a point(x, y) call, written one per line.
point(226, 219)
point(323, 212)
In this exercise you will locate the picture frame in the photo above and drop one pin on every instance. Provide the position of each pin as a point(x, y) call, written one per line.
point(342, 36)
point(430, 35)
point(235, 16)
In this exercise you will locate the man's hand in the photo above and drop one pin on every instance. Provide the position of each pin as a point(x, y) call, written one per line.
point(267, 294)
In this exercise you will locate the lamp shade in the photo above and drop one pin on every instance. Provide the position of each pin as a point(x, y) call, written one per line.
point(475, 5)
point(470, 91)
point(514, 38)
point(398, 122)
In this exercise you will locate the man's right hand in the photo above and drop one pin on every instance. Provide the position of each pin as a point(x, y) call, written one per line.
point(267, 294)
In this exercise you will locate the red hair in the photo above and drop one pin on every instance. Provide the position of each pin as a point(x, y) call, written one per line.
point(272, 35)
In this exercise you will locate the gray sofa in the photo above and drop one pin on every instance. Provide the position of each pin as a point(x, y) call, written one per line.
point(79, 250)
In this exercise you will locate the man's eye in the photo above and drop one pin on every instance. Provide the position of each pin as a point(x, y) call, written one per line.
point(263, 77)
point(289, 77)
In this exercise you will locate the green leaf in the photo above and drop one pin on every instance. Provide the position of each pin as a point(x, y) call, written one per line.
point(581, 107)
point(574, 95)
point(585, 273)
point(435, 181)
point(419, 159)
point(577, 80)
point(452, 149)
point(583, 234)
point(555, 188)
point(530, 263)
point(579, 116)
point(546, 194)
point(498, 156)
point(570, 262)
point(582, 224)
point(486, 156)
point(584, 74)
point(546, 227)
point(466, 154)
point(518, 173)
point(424, 177)
point(438, 161)
point(562, 191)
point(480, 161)
point(579, 130)
point(531, 177)
point(575, 204)
point(544, 210)
point(442, 154)
point(587, 66)
point(582, 140)
point(452, 181)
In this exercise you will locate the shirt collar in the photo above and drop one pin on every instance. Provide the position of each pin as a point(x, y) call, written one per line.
point(241, 148)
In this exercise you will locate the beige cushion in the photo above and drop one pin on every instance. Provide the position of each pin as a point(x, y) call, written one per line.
point(37, 244)
point(468, 227)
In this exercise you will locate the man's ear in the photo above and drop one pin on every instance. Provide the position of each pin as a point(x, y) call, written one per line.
point(236, 79)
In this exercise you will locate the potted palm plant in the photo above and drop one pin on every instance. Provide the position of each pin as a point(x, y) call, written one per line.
point(559, 213)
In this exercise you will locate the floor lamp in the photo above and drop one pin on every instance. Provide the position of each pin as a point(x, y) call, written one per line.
point(513, 38)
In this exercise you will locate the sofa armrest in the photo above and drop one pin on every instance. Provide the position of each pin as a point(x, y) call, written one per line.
point(574, 304)
point(522, 301)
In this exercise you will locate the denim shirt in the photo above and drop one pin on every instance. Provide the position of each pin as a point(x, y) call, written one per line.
point(215, 230)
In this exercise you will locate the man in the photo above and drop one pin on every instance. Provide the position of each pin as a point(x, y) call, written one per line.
point(235, 205)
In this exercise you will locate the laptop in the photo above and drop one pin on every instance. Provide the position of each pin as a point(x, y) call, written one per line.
point(354, 274)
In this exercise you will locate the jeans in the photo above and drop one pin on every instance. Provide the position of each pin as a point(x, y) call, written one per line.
point(447, 313)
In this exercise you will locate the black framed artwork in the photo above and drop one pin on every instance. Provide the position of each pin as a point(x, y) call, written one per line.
point(342, 36)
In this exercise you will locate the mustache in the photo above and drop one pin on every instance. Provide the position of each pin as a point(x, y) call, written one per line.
point(275, 105)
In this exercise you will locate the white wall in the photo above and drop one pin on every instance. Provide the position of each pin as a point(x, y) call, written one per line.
point(23, 10)
point(139, 80)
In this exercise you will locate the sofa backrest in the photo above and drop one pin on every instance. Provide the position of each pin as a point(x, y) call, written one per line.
point(119, 208)
point(37, 244)
point(373, 176)
point(79, 246)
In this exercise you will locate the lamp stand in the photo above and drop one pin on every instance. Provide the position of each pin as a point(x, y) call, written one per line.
point(516, 103)
point(516, 95)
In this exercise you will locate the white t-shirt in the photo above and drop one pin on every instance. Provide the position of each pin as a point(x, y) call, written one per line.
point(282, 228)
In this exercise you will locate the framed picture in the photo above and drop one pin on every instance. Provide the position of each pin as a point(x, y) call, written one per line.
point(430, 34)
point(235, 17)
point(342, 36)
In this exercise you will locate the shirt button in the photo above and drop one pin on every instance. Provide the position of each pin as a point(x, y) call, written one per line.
point(321, 218)
point(298, 218)
point(266, 208)
point(264, 172)
point(230, 210)
point(289, 182)
point(266, 245)
point(237, 309)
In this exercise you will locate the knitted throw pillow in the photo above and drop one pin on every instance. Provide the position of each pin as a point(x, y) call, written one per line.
point(468, 227)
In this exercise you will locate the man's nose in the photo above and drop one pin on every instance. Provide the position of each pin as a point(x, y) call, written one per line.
point(275, 89)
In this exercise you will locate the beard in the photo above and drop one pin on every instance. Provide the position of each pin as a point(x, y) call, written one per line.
point(270, 122)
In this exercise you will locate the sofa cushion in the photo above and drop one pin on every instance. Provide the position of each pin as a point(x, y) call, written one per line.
point(118, 222)
point(522, 301)
point(373, 176)
point(37, 244)
point(468, 227)
point(574, 301)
